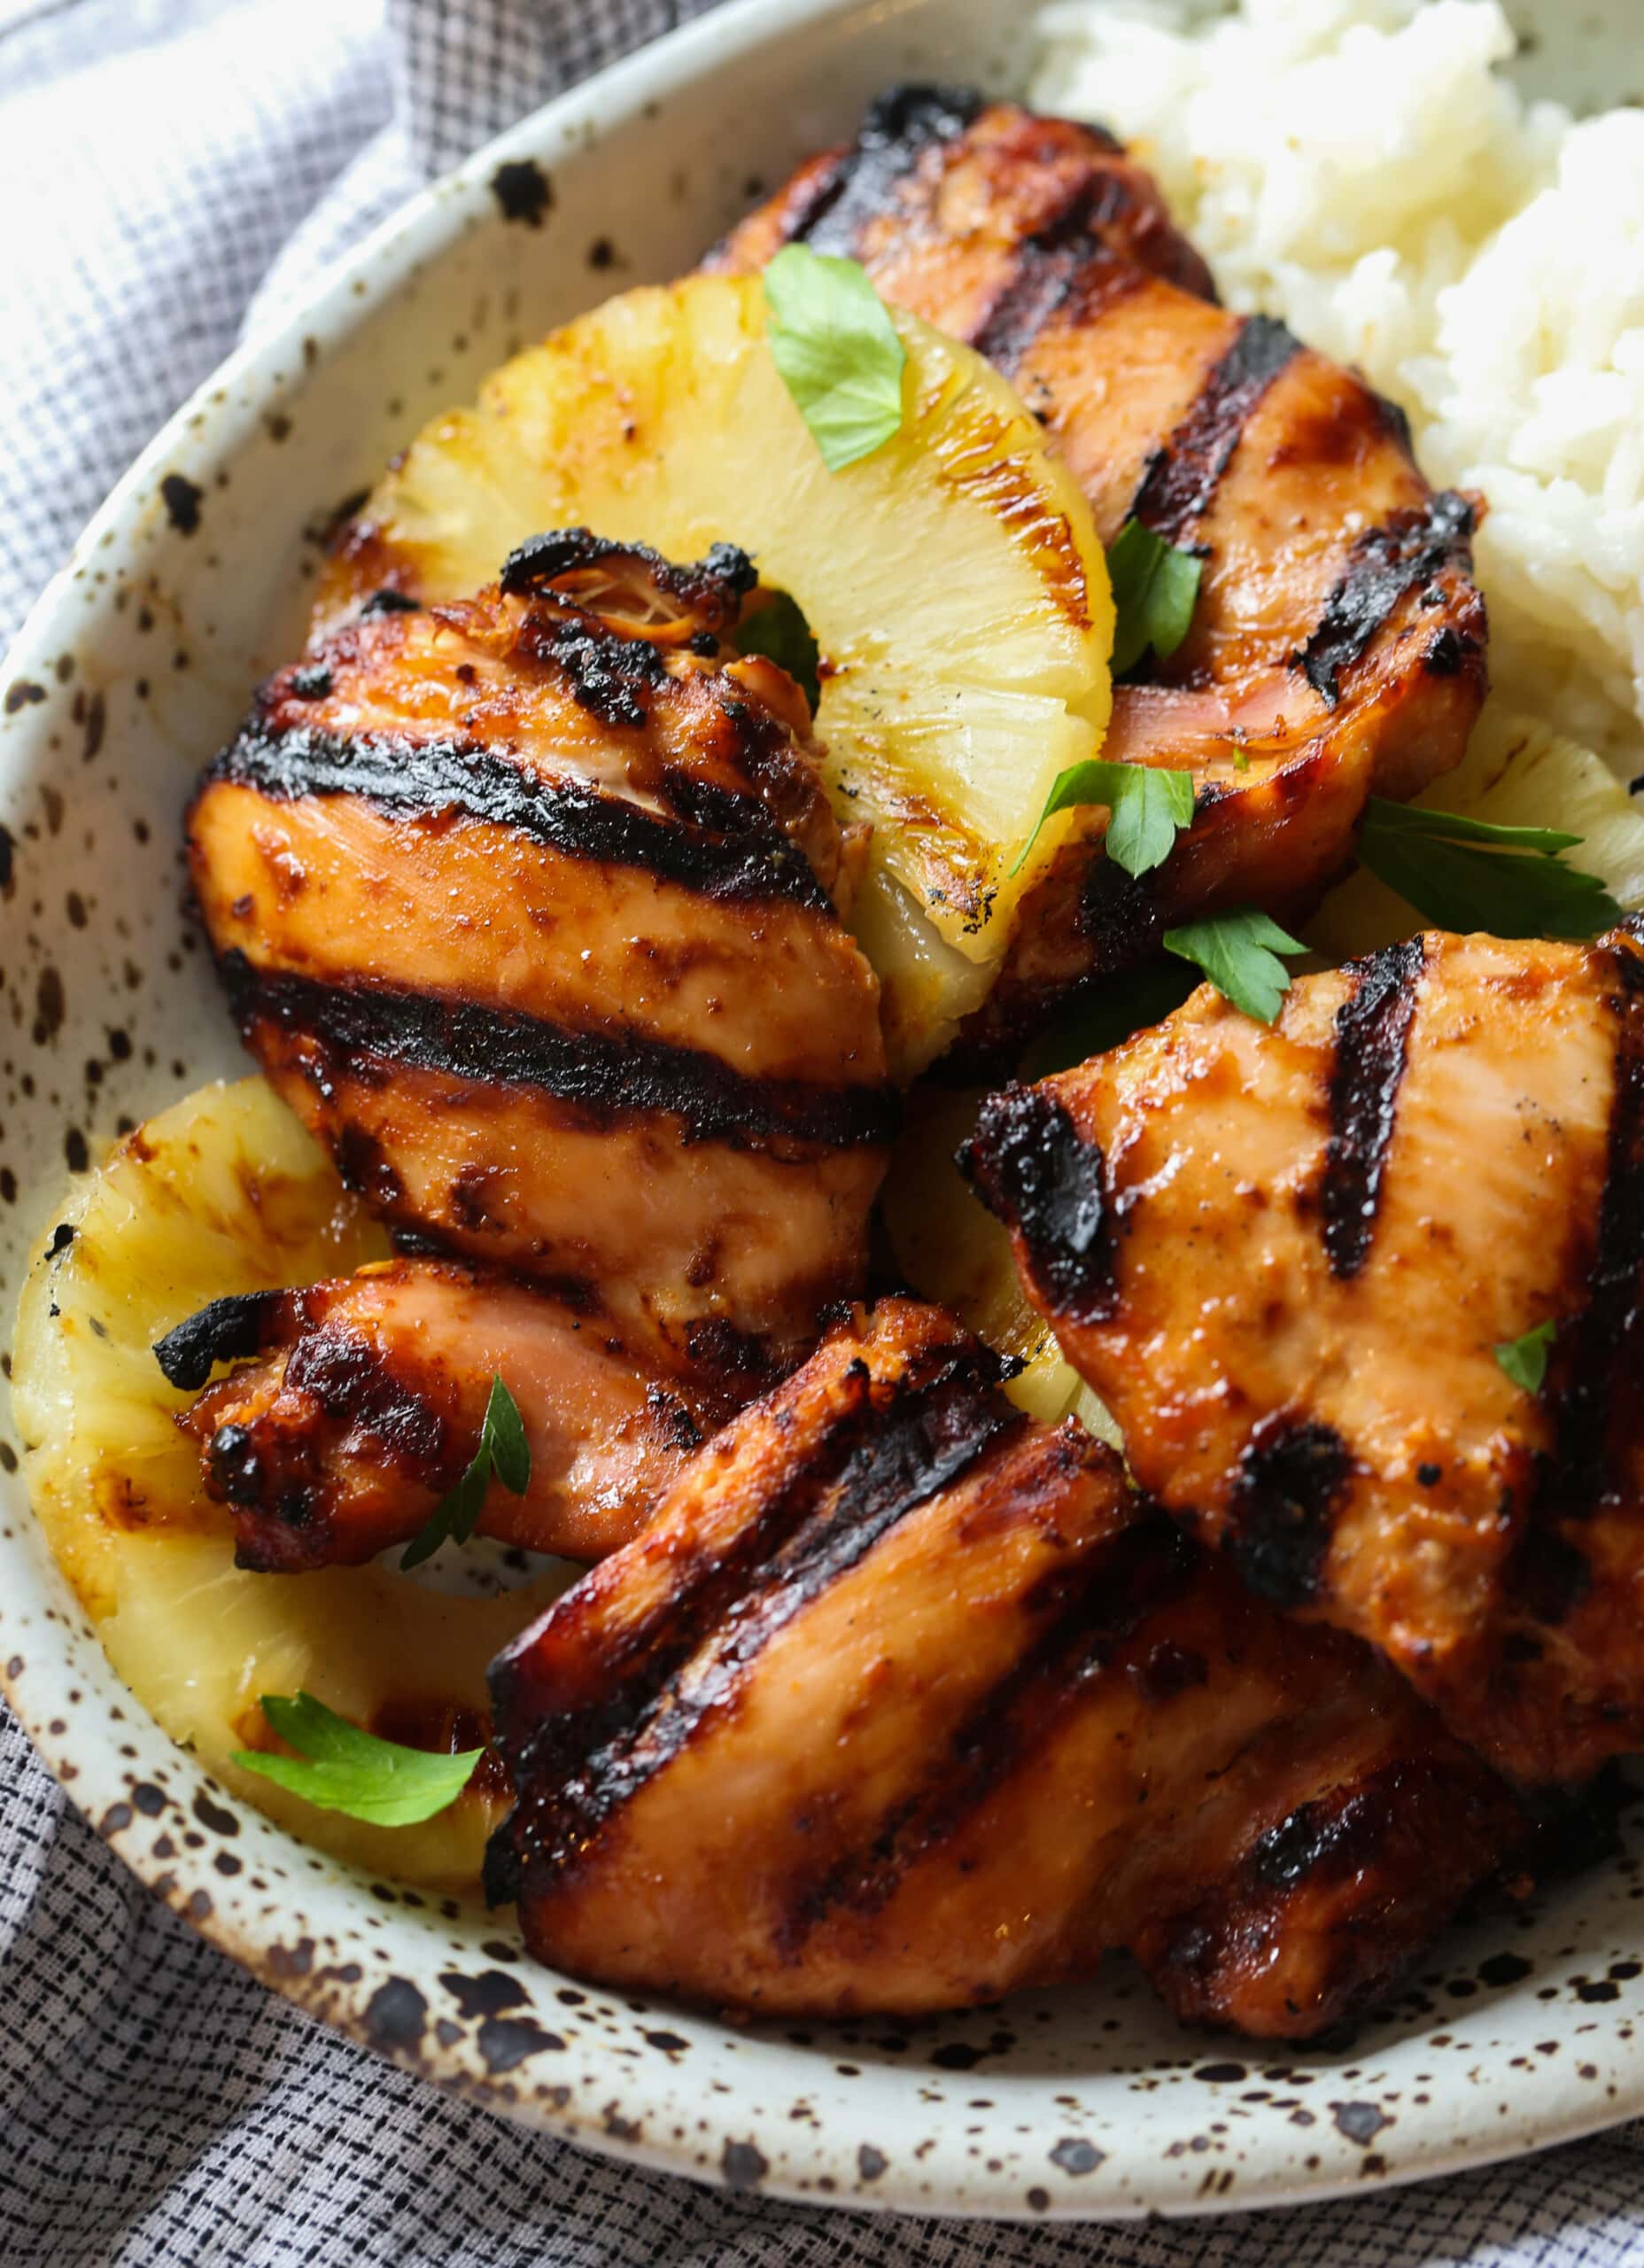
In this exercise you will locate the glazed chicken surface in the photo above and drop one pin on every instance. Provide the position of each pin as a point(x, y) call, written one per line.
point(530, 907)
point(1287, 1260)
point(901, 1702)
point(359, 1404)
point(1338, 645)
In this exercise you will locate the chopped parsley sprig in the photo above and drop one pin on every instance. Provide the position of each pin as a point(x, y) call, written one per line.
point(503, 1449)
point(1239, 953)
point(1149, 808)
point(1524, 1359)
point(1155, 591)
point(339, 1768)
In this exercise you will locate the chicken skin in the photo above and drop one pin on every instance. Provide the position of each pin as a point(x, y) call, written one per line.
point(1298, 1264)
point(530, 907)
point(1336, 649)
point(867, 1719)
point(358, 1404)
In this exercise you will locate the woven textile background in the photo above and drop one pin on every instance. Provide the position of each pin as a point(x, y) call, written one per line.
point(167, 169)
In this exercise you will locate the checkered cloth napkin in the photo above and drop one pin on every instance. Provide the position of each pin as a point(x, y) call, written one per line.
point(167, 169)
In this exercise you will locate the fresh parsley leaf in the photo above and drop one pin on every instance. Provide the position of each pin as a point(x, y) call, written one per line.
point(1467, 874)
point(339, 1768)
point(1239, 953)
point(503, 1449)
point(1155, 590)
point(1108, 1014)
point(1148, 806)
point(777, 629)
point(1525, 1360)
point(838, 350)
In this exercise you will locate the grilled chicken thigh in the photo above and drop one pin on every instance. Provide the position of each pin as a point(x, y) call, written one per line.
point(529, 906)
point(1288, 1260)
point(1336, 649)
point(359, 1402)
point(901, 1703)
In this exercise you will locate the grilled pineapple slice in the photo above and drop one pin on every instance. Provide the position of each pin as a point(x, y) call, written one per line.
point(1517, 772)
point(225, 1193)
point(953, 580)
point(951, 1250)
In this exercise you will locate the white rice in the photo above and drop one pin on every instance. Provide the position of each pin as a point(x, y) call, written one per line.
point(1362, 168)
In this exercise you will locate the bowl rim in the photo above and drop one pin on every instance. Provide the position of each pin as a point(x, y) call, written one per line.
point(233, 398)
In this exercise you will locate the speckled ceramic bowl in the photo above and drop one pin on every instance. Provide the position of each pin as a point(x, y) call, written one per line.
point(188, 587)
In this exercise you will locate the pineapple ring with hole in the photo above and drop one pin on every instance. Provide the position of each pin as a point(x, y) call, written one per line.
point(223, 1192)
point(953, 580)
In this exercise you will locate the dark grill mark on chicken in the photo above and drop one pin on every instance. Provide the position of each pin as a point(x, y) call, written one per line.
point(1280, 1512)
point(1028, 1163)
point(1337, 648)
point(563, 990)
point(1372, 1035)
point(871, 1698)
point(462, 1040)
point(361, 1401)
point(747, 860)
point(1387, 563)
point(1180, 485)
point(862, 182)
point(1330, 1407)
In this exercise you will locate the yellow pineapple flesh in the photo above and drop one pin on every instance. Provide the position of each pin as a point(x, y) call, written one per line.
point(952, 578)
point(225, 1193)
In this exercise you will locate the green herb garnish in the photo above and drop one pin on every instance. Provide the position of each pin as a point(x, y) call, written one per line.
point(1239, 953)
point(341, 1768)
point(1149, 808)
point(1155, 590)
point(1525, 1360)
point(504, 1450)
point(777, 629)
point(838, 350)
point(1467, 874)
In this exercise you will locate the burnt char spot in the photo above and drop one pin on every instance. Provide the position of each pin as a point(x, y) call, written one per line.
point(365, 1167)
point(743, 2165)
point(899, 127)
point(231, 1330)
point(355, 1383)
point(1548, 1576)
point(1281, 1509)
point(1063, 269)
point(522, 190)
point(1595, 1360)
point(62, 1236)
point(1180, 484)
point(182, 498)
point(874, 1466)
point(485, 1995)
point(1029, 1165)
point(713, 584)
point(1372, 1041)
point(395, 2016)
point(389, 600)
point(598, 1072)
point(435, 780)
point(506, 2042)
point(1410, 547)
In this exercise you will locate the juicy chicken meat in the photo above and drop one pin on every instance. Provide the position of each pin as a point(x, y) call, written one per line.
point(1337, 645)
point(529, 906)
point(358, 1404)
point(901, 1703)
point(1288, 1260)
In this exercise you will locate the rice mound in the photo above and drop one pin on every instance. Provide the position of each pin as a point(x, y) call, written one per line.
point(1362, 168)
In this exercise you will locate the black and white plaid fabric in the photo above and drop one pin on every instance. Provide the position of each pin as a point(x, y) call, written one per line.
point(170, 169)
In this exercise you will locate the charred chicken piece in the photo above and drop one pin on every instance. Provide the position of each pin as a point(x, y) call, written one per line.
point(867, 1719)
point(1289, 1262)
point(359, 1404)
point(529, 906)
point(1338, 645)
